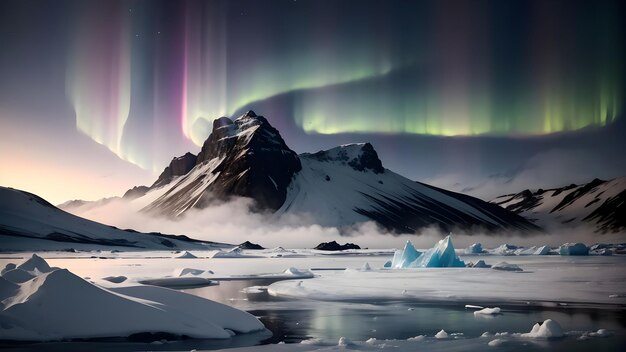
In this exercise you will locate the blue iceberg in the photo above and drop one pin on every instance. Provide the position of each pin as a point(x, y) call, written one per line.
point(475, 248)
point(403, 258)
point(573, 249)
point(442, 255)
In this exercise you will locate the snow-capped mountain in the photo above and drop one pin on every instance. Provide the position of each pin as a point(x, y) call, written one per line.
point(28, 222)
point(600, 204)
point(337, 187)
point(245, 157)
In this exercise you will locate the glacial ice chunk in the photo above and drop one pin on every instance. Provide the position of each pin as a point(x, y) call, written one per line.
point(548, 329)
point(442, 255)
point(543, 250)
point(573, 249)
point(403, 258)
point(475, 248)
point(504, 266)
point(505, 249)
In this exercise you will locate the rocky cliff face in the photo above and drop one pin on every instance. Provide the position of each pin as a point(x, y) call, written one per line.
point(178, 166)
point(256, 161)
point(598, 204)
point(246, 157)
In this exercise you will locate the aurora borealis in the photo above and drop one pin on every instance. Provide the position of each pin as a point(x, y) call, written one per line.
point(451, 68)
point(145, 79)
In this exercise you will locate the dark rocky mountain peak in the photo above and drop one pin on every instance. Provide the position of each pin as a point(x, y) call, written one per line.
point(178, 166)
point(246, 157)
point(136, 192)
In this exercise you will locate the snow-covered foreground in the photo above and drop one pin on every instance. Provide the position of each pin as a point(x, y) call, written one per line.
point(353, 295)
point(40, 303)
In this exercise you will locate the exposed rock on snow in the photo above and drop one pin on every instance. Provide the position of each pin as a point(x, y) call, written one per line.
point(233, 253)
point(190, 271)
point(76, 309)
point(599, 204)
point(481, 265)
point(573, 249)
point(334, 246)
point(115, 279)
point(442, 255)
point(250, 245)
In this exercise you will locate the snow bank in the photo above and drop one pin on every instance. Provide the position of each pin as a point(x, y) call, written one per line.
point(233, 253)
point(442, 255)
point(186, 255)
point(190, 271)
point(573, 249)
point(56, 304)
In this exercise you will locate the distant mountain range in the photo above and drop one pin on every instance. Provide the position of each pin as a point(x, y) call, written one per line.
point(598, 204)
point(338, 187)
point(28, 222)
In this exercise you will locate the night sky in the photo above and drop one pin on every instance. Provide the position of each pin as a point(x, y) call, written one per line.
point(478, 96)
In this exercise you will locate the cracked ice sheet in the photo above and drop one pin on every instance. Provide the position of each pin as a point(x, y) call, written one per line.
point(576, 285)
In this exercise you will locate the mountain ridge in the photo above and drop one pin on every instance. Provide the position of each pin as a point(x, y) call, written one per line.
point(600, 204)
point(339, 187)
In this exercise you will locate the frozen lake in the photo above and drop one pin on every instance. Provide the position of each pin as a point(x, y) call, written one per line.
point(292, 320)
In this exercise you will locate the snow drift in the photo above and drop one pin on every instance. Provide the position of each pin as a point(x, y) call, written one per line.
point(55, 304)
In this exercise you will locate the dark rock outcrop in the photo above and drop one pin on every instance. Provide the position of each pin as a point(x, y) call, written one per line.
point(178, 167)
point(334, 246)
point(360, 157)
point(250, 245)
point(136, 192)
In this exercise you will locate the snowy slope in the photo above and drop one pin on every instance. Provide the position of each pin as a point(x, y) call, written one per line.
point(600, 204)
point(337, 189)
point(53, 304)
point(26, 220)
